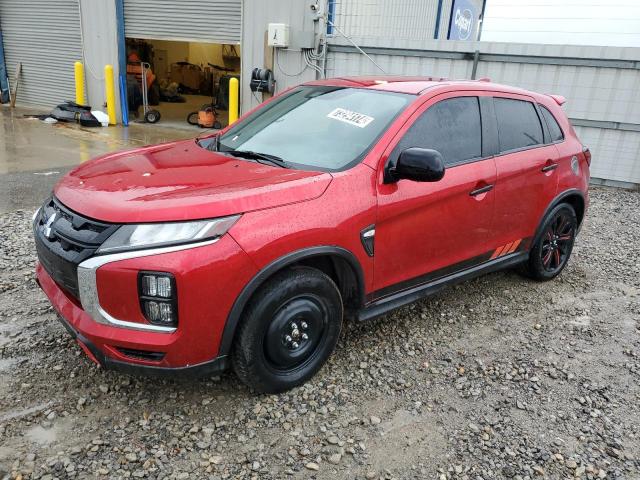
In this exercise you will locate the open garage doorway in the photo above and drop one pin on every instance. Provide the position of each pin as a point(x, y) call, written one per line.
point(181, 78)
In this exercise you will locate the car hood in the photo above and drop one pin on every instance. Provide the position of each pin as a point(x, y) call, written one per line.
point(181, 181)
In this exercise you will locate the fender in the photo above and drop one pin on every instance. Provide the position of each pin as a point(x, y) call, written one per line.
point(247, 292)
point(558, 199)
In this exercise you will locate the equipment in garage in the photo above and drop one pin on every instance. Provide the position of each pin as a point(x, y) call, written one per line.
point(206, 117)
point(191, 50)
point(150, 115)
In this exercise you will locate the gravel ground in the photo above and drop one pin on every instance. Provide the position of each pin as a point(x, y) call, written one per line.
point(496, 378)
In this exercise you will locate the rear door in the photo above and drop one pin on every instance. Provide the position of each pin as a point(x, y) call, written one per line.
point(426, 230)
point(526, 172)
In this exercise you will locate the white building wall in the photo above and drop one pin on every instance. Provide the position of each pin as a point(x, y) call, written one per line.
point(566, 22)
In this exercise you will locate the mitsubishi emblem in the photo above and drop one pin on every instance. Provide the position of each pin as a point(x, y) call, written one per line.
point(47, 226)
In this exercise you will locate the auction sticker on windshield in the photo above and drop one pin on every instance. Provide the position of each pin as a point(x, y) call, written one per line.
point(353, 118)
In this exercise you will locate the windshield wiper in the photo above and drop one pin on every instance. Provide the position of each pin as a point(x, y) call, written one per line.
point(250, 155)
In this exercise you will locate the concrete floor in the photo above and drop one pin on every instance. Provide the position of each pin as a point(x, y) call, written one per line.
point(174, 115)
point(34, 155)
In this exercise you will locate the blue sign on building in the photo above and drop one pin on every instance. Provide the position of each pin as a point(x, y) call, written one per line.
point(465, 15)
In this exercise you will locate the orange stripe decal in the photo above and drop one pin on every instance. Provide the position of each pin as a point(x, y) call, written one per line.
point(506, 249)
point(497, 252)
point(515, 245)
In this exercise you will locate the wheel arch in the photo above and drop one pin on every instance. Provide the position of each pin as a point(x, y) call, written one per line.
point(340, 264)
point(573, 197)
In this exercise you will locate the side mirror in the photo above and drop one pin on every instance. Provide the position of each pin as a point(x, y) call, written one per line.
point(417, 164)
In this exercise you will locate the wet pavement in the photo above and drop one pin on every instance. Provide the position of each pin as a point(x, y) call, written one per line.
point(34, 155)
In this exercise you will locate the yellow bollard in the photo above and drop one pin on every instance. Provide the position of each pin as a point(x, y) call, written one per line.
point(110, 92)
point(78, 70)
point(234, 91)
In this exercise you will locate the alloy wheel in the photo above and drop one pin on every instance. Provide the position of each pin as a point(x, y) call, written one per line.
point(557, 242)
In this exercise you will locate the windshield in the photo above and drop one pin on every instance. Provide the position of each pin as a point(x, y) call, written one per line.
point(316, 127)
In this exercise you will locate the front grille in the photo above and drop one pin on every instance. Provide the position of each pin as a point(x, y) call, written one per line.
point(64, 239)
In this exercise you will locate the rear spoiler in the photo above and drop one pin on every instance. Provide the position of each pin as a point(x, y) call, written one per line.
point(560, 100)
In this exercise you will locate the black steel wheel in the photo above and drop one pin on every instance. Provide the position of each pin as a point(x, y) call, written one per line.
point(295, 332)
point(553, 247)
point(288, 331)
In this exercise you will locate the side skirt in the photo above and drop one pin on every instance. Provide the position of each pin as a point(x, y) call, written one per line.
point(379, 307)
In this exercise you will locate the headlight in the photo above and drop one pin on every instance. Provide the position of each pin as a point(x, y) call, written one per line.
point(150, 235)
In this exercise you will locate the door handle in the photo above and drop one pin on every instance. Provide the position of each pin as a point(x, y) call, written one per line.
point(480, 190)
point(550, 166)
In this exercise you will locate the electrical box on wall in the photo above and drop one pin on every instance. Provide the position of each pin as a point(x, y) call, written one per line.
point(278, 35)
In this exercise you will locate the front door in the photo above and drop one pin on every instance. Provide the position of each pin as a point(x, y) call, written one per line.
point(427, 230)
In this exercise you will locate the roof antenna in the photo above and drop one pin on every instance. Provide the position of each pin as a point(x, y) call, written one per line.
point(354, 44)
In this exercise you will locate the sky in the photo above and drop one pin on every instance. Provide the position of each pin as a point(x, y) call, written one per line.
point(579, 22)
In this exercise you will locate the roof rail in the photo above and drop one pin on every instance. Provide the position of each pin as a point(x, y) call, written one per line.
point(483, 79)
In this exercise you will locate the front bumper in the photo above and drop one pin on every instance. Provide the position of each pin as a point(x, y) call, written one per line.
point(211, 368)
point(114, 333)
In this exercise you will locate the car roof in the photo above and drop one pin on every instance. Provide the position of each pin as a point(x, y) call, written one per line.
point(418, 85)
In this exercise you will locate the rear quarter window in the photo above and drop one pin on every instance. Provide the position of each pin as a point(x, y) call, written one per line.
point(518, 124)
point(554, 128)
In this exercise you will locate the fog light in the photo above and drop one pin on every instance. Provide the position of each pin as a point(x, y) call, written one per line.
point(158, 297)
point(156, 286)
point(149, 285)
point(158, 312)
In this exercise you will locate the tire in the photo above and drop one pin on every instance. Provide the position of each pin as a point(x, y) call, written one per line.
point(270, 352)
point(152, 116)
point(551, 252)
point(192, 118)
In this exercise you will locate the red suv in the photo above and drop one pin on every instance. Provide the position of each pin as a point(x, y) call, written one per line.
point(340, 198)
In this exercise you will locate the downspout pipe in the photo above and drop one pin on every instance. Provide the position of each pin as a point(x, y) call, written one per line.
point(436, 33)
point(4, 79)
point(122, 62)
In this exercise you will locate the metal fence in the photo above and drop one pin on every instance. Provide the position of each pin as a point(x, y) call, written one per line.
point(601, 84)
point(398, 19)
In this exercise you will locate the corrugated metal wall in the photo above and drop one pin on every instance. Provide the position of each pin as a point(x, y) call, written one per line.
point(211, 21)
point(608, 92)
point(45, 37)
point(100, 36)
point(289, 69)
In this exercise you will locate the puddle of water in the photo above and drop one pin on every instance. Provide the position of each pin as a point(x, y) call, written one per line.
point(24, 412)
point(581, 321)
point(42, 435)
point(6, 363)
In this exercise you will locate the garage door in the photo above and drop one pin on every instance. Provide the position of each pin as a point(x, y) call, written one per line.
point(45, 37)
point(212, 21)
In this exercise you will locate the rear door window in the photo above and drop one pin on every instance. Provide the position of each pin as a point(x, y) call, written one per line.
point(451, 127)
point(518, 124)
point(554, 129)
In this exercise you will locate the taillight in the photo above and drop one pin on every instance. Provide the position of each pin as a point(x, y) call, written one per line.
point(587, 155)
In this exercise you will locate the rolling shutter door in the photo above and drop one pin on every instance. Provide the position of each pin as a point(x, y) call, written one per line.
point(45, 37)
point(211, 21)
